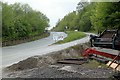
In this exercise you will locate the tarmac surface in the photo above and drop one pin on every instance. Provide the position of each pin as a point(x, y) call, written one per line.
point(14, 54)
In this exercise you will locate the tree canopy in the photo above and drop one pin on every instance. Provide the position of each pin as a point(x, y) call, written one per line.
point(20, 20)
point(92, 16)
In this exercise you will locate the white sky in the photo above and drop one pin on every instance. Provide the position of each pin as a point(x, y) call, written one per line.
point(53, 9)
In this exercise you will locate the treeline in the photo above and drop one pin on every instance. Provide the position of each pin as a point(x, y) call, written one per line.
point(91, 16)
point(0, 21)
point(20, 20)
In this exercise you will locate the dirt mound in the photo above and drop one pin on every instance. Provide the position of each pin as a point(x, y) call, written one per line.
point(25, 64)
point(51, 58)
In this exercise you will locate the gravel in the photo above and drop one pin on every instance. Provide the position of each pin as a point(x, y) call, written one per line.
point(62, 71)
point(46, 66)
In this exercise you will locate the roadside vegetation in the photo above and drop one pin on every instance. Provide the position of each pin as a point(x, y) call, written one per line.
point(95, 64)
point(72, 35)
point(20, 21)
point(94, 16)
point(24, 40)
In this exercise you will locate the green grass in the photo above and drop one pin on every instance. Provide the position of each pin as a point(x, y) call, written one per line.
point(72, 35)
point(94, 64)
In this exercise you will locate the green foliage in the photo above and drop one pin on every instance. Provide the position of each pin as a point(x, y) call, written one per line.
point(105, 15)
point(20, 20)
point(84, 23)
point(68, 20)
point(72, 35)
point(0, 21)
point(76, 20)
point(93, 16)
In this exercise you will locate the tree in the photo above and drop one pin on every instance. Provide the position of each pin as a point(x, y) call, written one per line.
point(20, 20)
point(94, 16)
point(105, 15)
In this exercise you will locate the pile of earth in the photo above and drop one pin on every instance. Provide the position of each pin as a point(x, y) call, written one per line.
point(51, 58)
point(46, 66)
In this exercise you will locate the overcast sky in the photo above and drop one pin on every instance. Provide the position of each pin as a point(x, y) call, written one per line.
point(53, 9)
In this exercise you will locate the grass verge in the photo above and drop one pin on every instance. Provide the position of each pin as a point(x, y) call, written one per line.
point(24, 40)
point(94, 64)
point(72, 35)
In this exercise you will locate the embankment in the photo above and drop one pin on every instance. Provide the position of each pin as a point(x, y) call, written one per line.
point(46, 66)
point(51, 58)
point(24, 40)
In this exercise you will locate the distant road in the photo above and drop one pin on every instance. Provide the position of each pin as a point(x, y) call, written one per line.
point(13, 54)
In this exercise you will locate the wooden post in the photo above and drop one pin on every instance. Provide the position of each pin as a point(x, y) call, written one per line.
point(117, 66)
point(114, 59)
